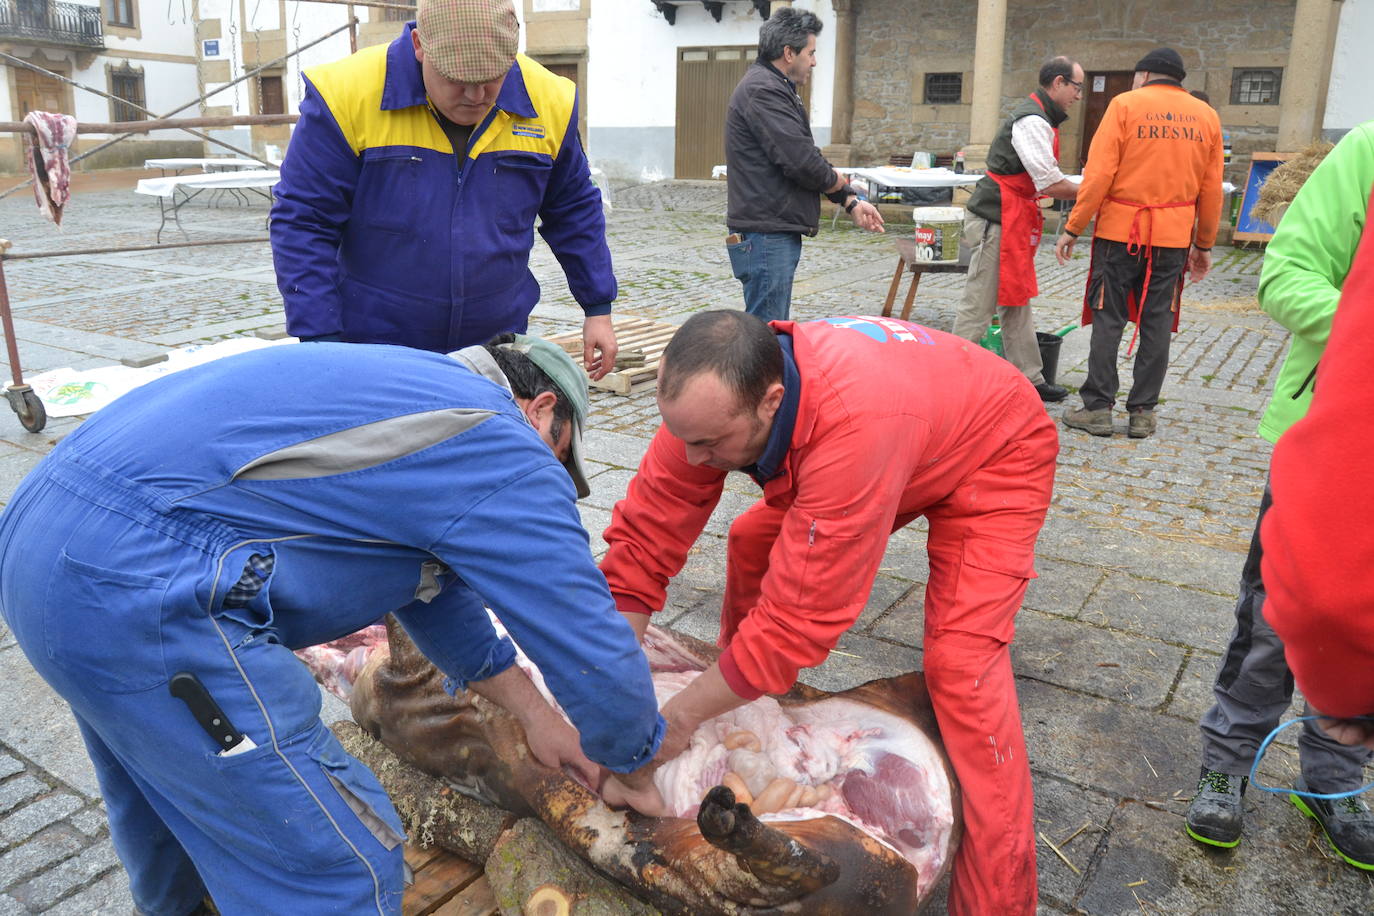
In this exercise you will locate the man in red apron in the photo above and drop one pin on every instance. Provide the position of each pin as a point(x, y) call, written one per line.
point(1153, 178)
point(1003, 223)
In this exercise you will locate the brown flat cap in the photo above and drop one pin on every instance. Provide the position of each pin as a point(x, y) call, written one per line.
point(469, 41)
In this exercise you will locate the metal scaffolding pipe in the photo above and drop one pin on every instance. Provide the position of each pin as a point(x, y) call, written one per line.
point(140, 127)
point(4, 256)
point(373, 3)
point(20, 62)
point(198, 100)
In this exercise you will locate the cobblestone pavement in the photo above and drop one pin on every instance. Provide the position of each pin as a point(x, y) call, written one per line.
point(1116, 646)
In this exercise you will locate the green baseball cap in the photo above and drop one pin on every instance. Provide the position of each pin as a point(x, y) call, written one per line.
point(572, 381)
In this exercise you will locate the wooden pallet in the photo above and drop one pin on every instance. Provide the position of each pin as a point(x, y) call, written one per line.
point(446, 885)
point(650, 337)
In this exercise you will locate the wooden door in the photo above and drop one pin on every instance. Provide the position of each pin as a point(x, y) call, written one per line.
point(705, 79)
point(37, 92)
point(567, 69)
point(1098, 90)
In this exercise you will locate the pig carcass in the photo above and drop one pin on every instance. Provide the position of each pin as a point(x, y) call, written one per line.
point(807, 803)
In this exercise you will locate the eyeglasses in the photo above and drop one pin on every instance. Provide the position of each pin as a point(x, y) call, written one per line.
point(1075, 84)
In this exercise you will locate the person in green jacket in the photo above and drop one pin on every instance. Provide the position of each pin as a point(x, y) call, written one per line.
point(1300, 285)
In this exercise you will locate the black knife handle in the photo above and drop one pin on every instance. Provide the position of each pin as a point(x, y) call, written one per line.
point(186, 687)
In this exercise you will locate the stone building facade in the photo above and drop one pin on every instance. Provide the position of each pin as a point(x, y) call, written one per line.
point(899, 44)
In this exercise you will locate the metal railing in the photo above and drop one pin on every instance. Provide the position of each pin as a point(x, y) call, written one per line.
point(52, 22)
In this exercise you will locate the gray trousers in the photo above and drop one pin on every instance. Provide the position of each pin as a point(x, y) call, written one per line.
point(1253, 690)
point(979, 304)
point(1115, 272)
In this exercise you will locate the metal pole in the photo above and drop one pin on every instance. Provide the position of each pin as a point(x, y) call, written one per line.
point(10, 344)
point(195, 101)
point(84, 251)
point(100, 92)
point(139, 127)
point(372, 3)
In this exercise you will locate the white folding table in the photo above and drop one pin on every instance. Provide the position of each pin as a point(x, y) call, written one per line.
point(900, 177)
point(260, 181)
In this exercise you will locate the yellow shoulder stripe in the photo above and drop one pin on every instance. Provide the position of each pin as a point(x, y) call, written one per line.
point(552, 97)
point(352, 88)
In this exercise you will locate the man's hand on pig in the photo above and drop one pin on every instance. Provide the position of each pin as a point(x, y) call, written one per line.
point(635, 790)
point(556, 744)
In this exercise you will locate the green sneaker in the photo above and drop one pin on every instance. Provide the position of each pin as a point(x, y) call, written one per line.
point(1214, 815)
point(1347, 823)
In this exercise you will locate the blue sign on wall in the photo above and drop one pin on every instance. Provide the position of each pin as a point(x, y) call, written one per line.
point(211, 47)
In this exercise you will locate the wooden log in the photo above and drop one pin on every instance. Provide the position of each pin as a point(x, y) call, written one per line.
point(533, 874)
point(434, 814)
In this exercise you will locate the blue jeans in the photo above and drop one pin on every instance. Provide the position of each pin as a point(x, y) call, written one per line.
point(765, 262)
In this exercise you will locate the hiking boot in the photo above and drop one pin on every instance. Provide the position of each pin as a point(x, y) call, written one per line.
point(1098, 422)
point(1051, 393)
point(1214, 815)
point(1347, 823)
point(1142, 423)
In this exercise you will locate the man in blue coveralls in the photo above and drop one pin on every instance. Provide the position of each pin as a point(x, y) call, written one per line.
point(215, 520)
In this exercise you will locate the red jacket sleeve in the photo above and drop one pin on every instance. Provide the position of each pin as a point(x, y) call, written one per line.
point(653, 528)
point(1317, 539)
point(822, 565)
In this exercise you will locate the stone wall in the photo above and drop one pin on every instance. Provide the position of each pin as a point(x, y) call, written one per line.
point(899, 41)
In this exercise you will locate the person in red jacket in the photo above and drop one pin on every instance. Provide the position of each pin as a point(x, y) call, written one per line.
point(854, 427)
point(1316, 536)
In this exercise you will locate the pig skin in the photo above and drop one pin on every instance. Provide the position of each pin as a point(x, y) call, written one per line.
point(806, 862)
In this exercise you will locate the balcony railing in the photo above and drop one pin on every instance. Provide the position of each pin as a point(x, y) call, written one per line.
point(52, 23)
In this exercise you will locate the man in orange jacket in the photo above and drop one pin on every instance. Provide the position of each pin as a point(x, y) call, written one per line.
point(1153, 178)
point(854, 427)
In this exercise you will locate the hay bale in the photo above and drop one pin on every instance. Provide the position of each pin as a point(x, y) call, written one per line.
point(1283, 183)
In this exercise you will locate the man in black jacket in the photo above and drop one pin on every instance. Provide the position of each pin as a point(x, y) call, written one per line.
point(776, 173)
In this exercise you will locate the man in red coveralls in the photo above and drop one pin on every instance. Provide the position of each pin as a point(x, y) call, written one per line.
point(854, 427)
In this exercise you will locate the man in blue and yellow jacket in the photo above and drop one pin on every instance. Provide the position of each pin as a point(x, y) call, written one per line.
point(409, 193)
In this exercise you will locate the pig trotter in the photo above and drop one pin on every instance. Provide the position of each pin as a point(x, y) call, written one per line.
point(770, 855)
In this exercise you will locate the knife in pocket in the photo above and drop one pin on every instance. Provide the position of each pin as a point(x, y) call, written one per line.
point(186, 687)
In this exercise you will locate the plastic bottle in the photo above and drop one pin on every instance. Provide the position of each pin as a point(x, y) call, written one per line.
point(959, 162)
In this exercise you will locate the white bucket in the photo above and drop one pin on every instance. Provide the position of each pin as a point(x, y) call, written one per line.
point(938, 230)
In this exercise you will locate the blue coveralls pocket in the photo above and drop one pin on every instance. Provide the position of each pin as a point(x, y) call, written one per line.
point(390, 189)
point(303, 820)
point(521, 178)
point(360, 790)
point(104, 626)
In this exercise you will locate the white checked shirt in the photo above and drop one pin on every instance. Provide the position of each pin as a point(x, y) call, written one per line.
point(1033, 139)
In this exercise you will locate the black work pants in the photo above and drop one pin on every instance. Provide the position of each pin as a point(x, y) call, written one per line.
point(1115, 273)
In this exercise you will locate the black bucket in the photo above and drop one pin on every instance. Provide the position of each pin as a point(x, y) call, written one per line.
point(1049, 354)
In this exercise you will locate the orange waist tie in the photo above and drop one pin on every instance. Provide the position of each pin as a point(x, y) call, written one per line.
point(1134, 243)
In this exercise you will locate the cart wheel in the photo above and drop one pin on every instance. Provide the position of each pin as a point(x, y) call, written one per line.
point(28, 407)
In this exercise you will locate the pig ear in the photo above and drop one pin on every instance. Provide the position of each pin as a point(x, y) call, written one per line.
point(406, 658)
